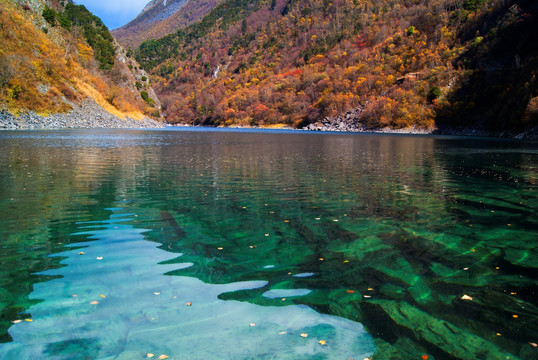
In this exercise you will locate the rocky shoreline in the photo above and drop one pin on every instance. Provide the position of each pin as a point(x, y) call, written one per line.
point(88, 115)
point(350, 122)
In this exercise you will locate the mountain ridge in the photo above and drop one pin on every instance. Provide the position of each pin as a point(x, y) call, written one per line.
point(160, 18)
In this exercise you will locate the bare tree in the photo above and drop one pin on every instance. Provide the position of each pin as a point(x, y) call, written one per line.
point(6, 71)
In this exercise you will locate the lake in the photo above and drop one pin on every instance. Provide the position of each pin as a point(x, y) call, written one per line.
point(245, 244)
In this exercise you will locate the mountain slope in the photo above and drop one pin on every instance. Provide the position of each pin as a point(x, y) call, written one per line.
point(160, 18)
point(56, 55)
point(389, 63)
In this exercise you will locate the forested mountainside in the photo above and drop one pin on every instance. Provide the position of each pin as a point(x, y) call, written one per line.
point(160, 18)
point(391, 63)
point(54, 55)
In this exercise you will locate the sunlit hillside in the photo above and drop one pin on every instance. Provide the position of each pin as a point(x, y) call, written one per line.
point(397, 64)
point(55, 55)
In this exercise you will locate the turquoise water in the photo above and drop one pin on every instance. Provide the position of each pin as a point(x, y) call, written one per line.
point(266, 245)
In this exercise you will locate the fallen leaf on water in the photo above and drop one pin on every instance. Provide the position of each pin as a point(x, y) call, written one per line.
point(252, 324)
point(424, 357)
point(162, 357)
point(81, 253)
point(16, 321)
point(29, 320)
point(266, 234)
point(533, 344)
point(283, 299)
point(150, 355)
point(322, 342)
point(366, 296)
point(189, 303)
point(304, 335)
point(103, 296)
point(320, 259)
point(498, 334)
point(157, 293)
point(346, 261)
point(515, 316)
point(220, 248)
point(335, 220)
point(350, 291)
point(282, 333)
point(466, 297)
point(94, 303)
point(513, 293)
point(465, 269)
point(286, 221)
point(370, 289)
point(99, 258)
point(318, 218)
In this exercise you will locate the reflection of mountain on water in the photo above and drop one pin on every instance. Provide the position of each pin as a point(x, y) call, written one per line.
point(112, 300)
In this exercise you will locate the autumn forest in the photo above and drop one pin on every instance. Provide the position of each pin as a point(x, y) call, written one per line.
point(403, 63)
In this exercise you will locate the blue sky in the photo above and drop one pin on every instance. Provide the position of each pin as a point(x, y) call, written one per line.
point(114, 13)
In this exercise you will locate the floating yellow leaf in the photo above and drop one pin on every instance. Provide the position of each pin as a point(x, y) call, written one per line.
point(266, 234)
point(81, 253)
point(498, 334)
point(94, 303)
point(252, 324)
point(103, 296)
point(322, 342)
point(157, 293)
point(513, 293)
point(29, 320)
point(370, 289)
point(466, 297)
point(304, 335)
point(286, 221)
point(318, 218)
point(466, 268)
point(320, 259)
point(220, 248)
point(533, 344)
point(515, 316)
point(162, 357)
point(16, 321)
point(99, 258)
point(150, 355)
point(346, 261)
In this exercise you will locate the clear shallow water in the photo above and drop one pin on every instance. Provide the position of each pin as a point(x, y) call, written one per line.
point(366, 242)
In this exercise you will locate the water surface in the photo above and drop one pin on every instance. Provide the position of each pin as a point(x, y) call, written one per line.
point(266, 245)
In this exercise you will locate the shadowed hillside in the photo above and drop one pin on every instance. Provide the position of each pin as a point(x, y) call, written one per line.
point(160, 18)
